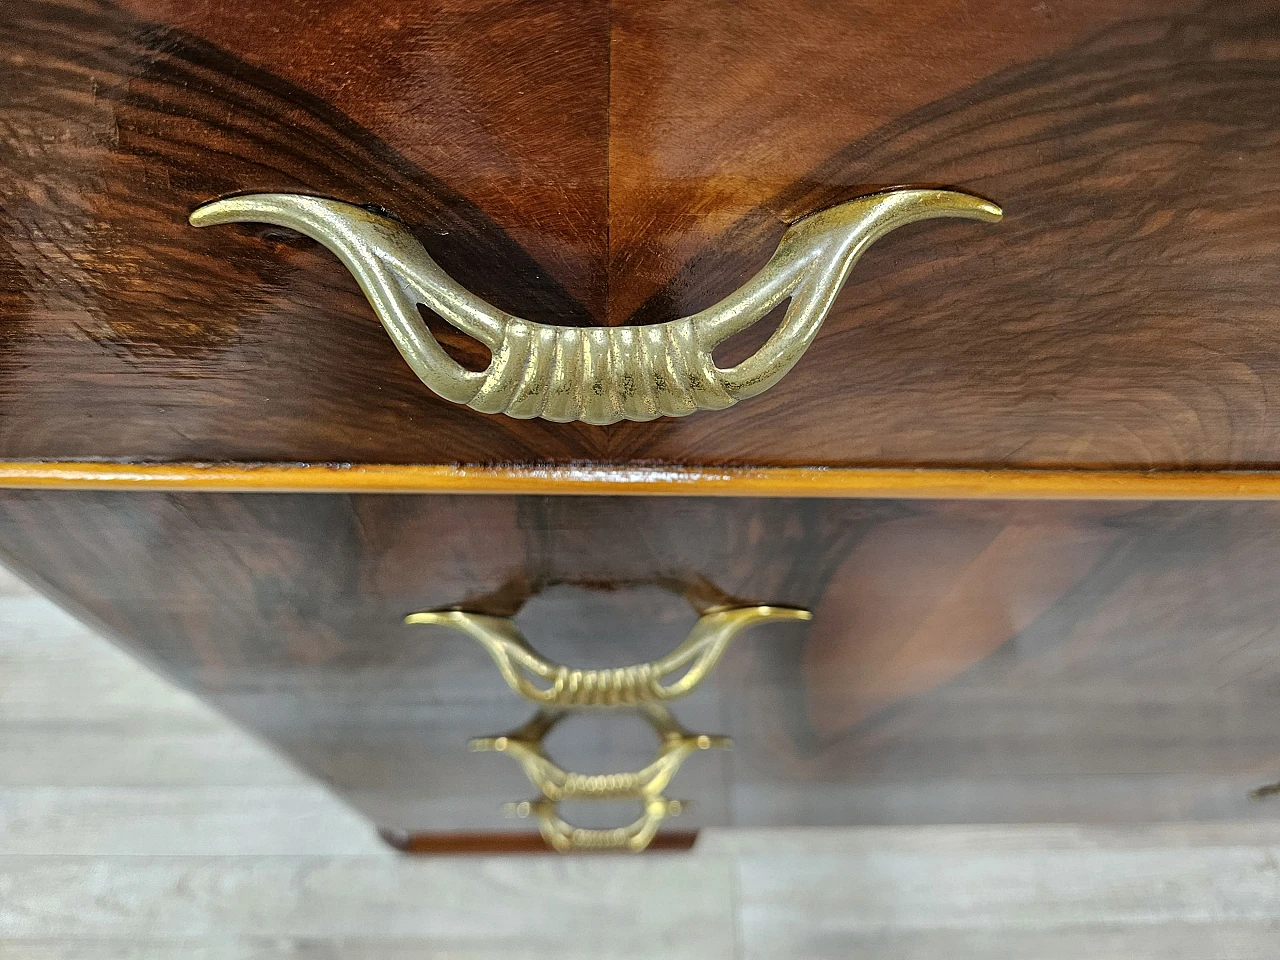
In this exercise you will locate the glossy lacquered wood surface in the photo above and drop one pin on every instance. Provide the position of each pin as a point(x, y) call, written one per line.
point(604, 162)
point(967, 662)
point(606, 480)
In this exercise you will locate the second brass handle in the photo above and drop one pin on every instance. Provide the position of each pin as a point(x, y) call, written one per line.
point(565, 686)
point(525, 746)
point(564, 837)
point(644, 786)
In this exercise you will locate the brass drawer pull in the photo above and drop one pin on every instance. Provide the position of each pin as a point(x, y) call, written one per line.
point(644, 786)
point(620, 686)
point(566, 838)
point(599, 374)
point(524, 745)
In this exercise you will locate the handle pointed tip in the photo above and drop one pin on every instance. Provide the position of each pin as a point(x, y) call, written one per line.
point(438, 617)
point(300, 212)
point(785, 613)
point(961, 203)
point(227, 210)
point(990, 211)
point(205, 215)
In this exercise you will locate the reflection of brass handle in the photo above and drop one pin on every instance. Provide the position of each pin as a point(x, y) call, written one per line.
point(555, 784)
point(599, 374)
point(565, 837)
point(525, 746)
point(642, 683)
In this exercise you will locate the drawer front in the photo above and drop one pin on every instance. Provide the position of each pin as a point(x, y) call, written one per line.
point(592, 164)
point(966, 662)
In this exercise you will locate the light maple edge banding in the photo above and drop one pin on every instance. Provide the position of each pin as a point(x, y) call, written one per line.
point(925, 483)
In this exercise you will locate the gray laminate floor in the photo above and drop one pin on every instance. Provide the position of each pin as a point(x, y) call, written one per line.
point(136, 823)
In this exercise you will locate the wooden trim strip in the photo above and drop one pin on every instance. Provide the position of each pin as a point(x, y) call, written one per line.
point(650, 481)
point(489, 844)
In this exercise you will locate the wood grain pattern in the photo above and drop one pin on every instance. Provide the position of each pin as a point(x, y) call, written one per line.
point(996, 874)
point(1116, 316)
point(118, 130)
point(614, 902)
point(721, 111)
point(970, 662)
point(1121, 317)
point(506, 102)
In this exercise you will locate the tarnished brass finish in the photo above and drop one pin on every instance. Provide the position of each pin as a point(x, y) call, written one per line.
point(601, 374)
point(636, 688)
point(644, 786)
point(620, 686)
point(525, 746)
point(566, 838)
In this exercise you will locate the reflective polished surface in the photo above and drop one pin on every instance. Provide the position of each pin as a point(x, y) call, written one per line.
point(587, 163)
point(1048, 662)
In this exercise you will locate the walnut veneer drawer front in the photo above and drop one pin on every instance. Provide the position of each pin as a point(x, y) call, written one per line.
point(966, 662)
point(525, 402)
point(593, 163)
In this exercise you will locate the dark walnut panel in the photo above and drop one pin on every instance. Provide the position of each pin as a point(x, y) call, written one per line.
point(1123, 315)
point(126, 333)
point(720, 111)
point(614, 139)
point(967, 662)
point(507, 103)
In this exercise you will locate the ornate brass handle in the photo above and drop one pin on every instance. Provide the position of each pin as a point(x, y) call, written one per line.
point(566, 838)
point(599, 374)
point(642, 683)
point(524, 745)
point(645, 786)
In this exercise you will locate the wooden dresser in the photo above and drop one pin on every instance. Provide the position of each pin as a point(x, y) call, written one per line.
point(579, 380)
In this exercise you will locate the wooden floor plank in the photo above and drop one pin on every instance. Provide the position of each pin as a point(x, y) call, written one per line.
point(1009, 892)
point(144, 754)
point(669, 906)
point(272, 948)
point(109, 692)
point(1174, 941)
point(299, 819)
